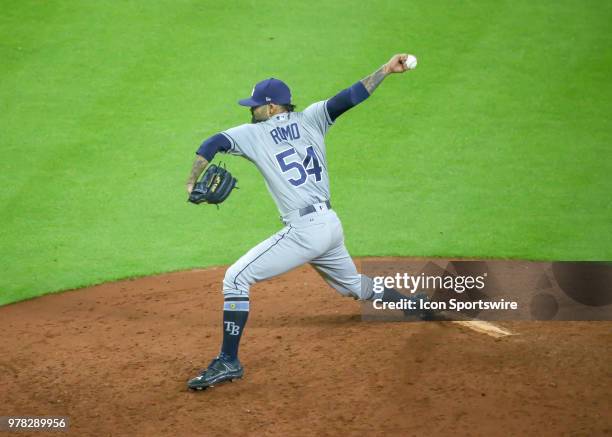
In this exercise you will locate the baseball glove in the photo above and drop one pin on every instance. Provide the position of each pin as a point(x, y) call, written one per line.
point(214, 187)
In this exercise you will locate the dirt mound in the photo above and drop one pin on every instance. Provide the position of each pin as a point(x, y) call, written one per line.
point(115, 359)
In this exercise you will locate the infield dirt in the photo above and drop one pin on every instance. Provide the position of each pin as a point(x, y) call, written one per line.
point(115, 359)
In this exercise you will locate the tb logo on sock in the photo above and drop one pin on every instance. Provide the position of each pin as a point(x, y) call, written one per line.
point(232, 328)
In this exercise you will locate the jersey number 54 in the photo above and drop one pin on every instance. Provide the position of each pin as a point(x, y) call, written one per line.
point(308, 167)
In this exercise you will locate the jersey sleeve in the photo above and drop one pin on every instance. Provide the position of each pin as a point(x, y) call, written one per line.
point(242, 139)
point(317, 116)
point(212, 145)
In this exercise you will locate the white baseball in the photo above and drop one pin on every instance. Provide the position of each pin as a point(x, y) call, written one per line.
point(411, 62)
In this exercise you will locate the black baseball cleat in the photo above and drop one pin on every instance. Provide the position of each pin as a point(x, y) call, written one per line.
point(219, 370)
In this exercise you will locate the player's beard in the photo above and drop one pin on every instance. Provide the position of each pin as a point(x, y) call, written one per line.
point(253, 119)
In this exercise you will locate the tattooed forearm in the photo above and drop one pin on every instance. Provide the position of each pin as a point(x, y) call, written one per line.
point(196, 170)
point(374, 79)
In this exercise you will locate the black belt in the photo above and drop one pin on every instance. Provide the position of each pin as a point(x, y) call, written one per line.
point(311, 208)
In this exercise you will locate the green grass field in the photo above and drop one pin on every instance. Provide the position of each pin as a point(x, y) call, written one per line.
point(497, 145)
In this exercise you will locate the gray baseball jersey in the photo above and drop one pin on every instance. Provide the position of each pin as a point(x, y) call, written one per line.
point(289, 151)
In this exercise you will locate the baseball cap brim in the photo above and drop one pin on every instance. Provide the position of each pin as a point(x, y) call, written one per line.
point(249, 102)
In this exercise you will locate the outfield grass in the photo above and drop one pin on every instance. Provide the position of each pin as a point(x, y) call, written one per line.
point(498, 145)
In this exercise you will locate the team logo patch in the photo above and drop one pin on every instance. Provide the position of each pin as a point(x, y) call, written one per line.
point(232, 328)
point(233, 306)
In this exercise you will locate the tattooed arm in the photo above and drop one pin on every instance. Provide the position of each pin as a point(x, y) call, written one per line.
point(198, 167)
point(395, 65)
point(372, 81)
point(350, 97)
point(205, 153)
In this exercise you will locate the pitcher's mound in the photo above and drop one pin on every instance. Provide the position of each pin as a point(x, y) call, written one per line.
point(115, 359)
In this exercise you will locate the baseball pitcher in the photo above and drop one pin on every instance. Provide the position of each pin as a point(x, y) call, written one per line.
point(288, 148)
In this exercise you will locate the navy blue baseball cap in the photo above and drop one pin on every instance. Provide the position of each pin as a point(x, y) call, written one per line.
point(268, 91)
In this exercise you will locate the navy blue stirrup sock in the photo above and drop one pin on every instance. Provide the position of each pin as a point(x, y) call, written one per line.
point(235, 315)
